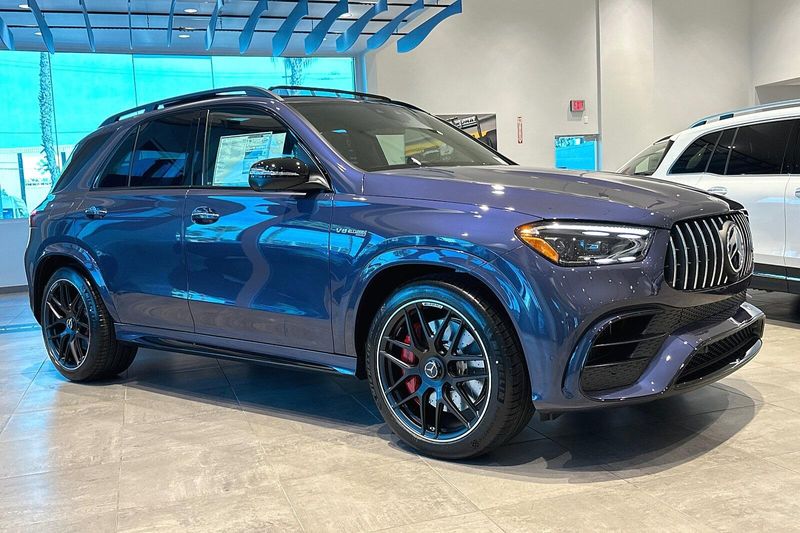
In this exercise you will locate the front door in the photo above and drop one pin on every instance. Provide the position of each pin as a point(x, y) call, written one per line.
point(257, 261)
point(133, 219)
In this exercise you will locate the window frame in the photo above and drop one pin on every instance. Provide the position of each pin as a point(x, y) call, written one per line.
point(192, 144)
point(199, 178)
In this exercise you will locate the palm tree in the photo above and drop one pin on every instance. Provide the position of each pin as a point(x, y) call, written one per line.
point(49, 162)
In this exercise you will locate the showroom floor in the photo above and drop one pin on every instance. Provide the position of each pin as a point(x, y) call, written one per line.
point(186, 442)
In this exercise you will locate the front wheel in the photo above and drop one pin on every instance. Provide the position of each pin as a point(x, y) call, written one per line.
point(446, 370)
point(78, 330)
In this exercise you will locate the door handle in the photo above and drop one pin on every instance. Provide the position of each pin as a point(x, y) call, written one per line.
point(718, 189)
point(204, 215)
point(95, 212)
point(797, 193)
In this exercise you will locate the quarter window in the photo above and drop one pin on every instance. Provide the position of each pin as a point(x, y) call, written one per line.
point(119, 168)
point(760, 148)
point(82, 157)
point(695, 158)
point(239, 138)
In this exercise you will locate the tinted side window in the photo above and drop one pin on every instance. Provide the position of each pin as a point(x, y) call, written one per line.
point(696, 157)
point(163, 152)
point(719, 158)
point(119, 167)
point(239, 138)
point(82, 156)
point(760, 148)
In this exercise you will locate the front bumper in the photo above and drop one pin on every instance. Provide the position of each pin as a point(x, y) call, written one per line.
point(662, 376)
point(558, 312)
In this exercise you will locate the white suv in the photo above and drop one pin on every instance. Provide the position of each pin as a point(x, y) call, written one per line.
point(753, 157)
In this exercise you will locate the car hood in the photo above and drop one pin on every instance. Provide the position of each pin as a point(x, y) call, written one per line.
point(552, 194)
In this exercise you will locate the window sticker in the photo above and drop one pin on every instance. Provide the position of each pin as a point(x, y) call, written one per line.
point(237, 153)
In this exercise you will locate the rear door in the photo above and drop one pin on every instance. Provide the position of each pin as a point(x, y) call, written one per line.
point(747, 165)
point(257, 261)
point(132, 221)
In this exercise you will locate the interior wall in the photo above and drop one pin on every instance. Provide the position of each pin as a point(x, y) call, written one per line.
point(663, 64)
point(666, 63)
point(776, 45)
point(526, 58)
point(15, 238)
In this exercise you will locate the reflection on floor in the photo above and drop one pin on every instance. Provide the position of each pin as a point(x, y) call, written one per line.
point(185, 442)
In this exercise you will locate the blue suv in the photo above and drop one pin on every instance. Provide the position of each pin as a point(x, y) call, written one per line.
point(355, 234)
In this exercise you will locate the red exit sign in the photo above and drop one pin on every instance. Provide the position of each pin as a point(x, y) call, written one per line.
point(577, 106)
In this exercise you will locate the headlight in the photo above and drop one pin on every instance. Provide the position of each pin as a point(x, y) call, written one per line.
point(582, 244)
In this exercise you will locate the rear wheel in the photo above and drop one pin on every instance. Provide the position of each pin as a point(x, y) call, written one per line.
point(446, 370)
point(78, 330)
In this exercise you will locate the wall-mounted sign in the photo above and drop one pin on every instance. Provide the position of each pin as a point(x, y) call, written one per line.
point(482, 127)
point(577, 106)
point(519, 130)
point(576, 152)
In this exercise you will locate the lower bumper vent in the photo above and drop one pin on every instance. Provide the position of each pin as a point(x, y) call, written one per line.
point(624, 348)
point(714, 357)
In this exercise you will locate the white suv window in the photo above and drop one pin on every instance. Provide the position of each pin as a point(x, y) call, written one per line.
point(759, 148)
point(696, 157)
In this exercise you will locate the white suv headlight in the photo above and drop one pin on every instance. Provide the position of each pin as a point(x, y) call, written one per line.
point(583, 244)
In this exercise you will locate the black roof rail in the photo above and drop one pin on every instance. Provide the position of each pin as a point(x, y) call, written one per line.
point(289, 90)
point(192, 97)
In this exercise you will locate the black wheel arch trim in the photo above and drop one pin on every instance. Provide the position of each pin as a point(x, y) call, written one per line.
point(66, 254)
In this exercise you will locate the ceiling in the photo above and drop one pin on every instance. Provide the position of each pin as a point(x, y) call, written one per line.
point(225, 27)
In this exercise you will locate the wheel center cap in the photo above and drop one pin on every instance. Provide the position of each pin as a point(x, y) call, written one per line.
point(71, 323)
point(433, 369)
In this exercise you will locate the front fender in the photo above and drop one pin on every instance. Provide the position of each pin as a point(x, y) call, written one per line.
point(508, 285)
point(86, 260)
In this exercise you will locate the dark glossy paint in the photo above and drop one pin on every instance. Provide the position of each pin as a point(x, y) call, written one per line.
point(282, 275)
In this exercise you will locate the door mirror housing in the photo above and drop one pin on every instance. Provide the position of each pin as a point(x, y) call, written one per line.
point(284, 174)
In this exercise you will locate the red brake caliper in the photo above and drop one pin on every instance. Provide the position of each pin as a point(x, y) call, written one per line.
point(411, 384)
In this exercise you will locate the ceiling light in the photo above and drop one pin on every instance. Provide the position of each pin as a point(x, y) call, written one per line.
point(190, 10)
point(24, 6)
point(37, 33)
point(348, 15)
point(183, 36)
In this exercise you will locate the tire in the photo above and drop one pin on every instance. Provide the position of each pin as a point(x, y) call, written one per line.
point(482, 375)
point(78, 330)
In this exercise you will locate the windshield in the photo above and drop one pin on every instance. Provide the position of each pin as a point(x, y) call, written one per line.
point(382, 136)
point(646, 163)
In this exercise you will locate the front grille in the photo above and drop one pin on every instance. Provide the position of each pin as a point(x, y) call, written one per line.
point(696, 255)
point(623, 349)
point(716, 356)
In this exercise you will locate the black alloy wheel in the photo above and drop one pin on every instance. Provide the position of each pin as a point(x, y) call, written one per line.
point(433, 370)
point(446, 369)
point(79, 331)
point(66, 325)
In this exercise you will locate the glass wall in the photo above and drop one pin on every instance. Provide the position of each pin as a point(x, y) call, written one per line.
point(50, 102)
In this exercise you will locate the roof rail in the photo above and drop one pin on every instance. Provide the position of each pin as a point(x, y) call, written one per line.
point(747, 111)
point(292, 90)
point(189, 98)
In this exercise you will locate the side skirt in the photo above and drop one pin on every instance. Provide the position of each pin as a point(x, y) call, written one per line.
point(233, 349)
point(776, 278)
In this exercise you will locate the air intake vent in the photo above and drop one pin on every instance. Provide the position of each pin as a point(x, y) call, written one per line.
point(698, 257)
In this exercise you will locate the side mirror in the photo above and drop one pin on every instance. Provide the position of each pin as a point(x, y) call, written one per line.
point(284, 174)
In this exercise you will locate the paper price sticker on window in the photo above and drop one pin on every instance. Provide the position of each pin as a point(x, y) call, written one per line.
point(519, 130)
